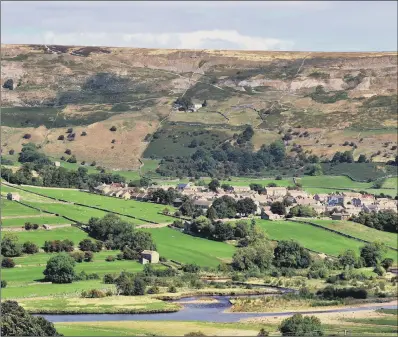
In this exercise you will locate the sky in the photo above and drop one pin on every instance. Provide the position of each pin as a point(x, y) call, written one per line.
point(240, 25)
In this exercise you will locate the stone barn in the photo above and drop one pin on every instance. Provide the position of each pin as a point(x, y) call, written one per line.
point(150, 256)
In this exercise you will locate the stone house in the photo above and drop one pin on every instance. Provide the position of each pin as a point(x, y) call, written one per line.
point(335, 199)
point(276, 191)
point(150, 256)
point(268, 215)
point(340, 216)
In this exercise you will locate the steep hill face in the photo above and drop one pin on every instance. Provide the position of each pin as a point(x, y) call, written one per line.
point(323, 102)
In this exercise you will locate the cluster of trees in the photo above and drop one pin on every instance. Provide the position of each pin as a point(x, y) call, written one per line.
point(162, 196)
point(343, 157)
point(10, 246)
point(15, 321)
point(386, 220)
point(299, 325)
point(119, 234)
point(220, 231)
point(228, 207)
point(230, 160)
point(302, 211)
point(51, 176)
point(57, 246)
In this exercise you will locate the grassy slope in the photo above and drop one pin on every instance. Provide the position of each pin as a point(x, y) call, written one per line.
point(49, 220)
point(12, 208)
point(359, 231)
point(188, 249)
point(312, 237)
point(143, 210)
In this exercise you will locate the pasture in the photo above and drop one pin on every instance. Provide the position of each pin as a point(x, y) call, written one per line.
point(13, 208)
point(144, 210)
point(313, 238)
point(45, 219)
point(359, 231)
point(185, 248)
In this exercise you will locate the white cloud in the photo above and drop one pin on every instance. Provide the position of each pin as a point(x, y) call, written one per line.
point(202, 39)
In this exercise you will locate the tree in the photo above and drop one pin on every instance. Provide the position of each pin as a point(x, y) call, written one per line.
point(61, 137)
point(372, 253)
point(7, 262)
point(302, 211)
point(297, 325)
point(348, 258)
point(187, 207)
point(387, 263)
point(362, 159)
point(185, 102)
point(278, 207)
point(30, 248)
point(88, 256)
point(3, 283)
point(113, 128)
point(10, 246)
point(214, 185)
point(77, 256)
point(291, 254)
point(246, 206)
point(60, 269)
point(225, 207)
point(15, 321)
point(263, 333)
point(211, 213)
point(258, 255)
point(315, 170)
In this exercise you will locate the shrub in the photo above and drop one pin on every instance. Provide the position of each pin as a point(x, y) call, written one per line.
point(11, 152)
point(84, 133)
point(72, 159)
point(88, 256)
point(153, 290)
point(318, 271)
point(28, 226)
point(263, 333)
point(30, 248)
point(35, 226)
point(93, 293)
point(27, 136)
point(110, 258)
point(113, 128)
point(68, 151)
point(70, 130)
point(7, 262)
point(61, 137)
point(3, 283)
point(297, 325)
point(109, 278)
point(10, 246)
point(387, 263)
point(77, 256)
point(172, 289)
point(58, 246)
point(379, 270)
point(331, 293)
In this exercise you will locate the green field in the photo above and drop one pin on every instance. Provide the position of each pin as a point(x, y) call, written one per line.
point(333, 182)
point(184, 248)
point(13, 208)
point(144, 210)
point(313, 238)
point(40, 236)
point(359, 231)
point(45, 219)
point(391, 183)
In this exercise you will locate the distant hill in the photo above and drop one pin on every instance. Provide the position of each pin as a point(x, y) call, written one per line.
point(325, 102)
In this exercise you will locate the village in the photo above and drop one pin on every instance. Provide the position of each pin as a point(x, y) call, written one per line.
point(338, 206)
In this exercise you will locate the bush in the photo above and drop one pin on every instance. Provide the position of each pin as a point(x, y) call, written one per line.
point(297, 325)
point(7, 262)
point(11, 152)
point(318, 271)
point(110, 258)
point(387, 263)
point(109, 278)
point(35, 226)
point(10, 246)
point(88, 256)
point(68, 151)
point(153, 290)
point(72, 159)
point(30, 248)
point(84, 133)
point(172, 289)
point(93, 293)
point(331, 293)
point(61, 137)
point(3, 283)
point(291, 254)
point(191, 268)
point(379, 270)
point(28, 226)
point(113, 128)
point(58, 246)
point(27, 136)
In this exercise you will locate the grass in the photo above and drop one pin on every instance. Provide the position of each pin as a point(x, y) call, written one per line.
point(359, 231)
point(312, 237)
point(160, 328)
point(147, 211)
point(184, 248)
point(391, 183)
point(40, 236)
point(49, 220)
point(337, 182)
point(106, 305)
point(13, 208)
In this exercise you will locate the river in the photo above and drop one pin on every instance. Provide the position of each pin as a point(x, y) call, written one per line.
point(203, 312)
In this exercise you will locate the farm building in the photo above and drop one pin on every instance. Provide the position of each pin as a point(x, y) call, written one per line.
point(268, 215)
point(335, 199)
point(13, 196)
point(150, 256)
point(276, 191)
point(57, 164)
point(203, 204)
point(182, 187)
point(340, 216)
